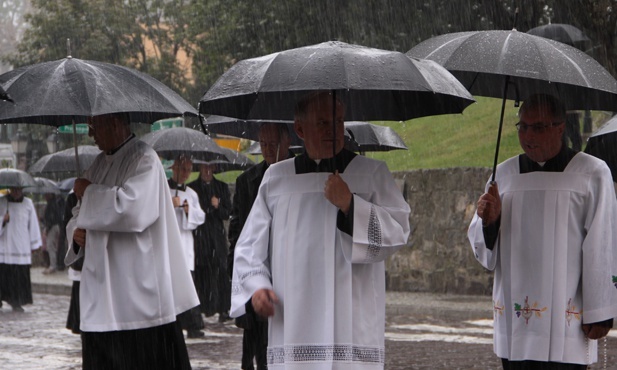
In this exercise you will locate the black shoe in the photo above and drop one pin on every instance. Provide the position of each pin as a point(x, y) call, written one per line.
point(17, 308)
point(195, 334)
point(224, 317)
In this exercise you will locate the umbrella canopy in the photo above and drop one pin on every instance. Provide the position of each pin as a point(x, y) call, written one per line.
point(233, 161)
point(564, 33)
point(174, 142)
point(66, 185)
point(64, 160)
point(482, 59)
point(71, 90)
point(4, 96)
point(43, 186)
point(255, 148)
point(603, 144)
point(246, 129)
point(373, 84)
point(368, 137)
point(515, 65)
point(13, 178)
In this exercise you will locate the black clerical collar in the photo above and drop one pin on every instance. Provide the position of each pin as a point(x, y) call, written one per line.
point(174, 185)
point(12, 199)
point(556, 164)
point(304, 164)
point(113, 151)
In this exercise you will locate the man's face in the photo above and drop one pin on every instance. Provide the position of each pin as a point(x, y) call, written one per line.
point(181, 170)
point(206, 171)
point(316, 128)
point(104, 131)
point(540, 134)
point(16, 192)
point(274, 146)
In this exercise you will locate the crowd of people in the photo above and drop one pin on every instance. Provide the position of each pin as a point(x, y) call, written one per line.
point(306, 242)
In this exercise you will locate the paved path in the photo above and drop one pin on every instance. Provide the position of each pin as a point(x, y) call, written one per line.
point(423, 331)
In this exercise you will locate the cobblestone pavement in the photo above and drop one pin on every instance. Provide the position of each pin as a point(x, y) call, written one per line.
point(423, 331)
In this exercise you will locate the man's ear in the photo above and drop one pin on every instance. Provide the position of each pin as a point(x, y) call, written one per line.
point(299, 129)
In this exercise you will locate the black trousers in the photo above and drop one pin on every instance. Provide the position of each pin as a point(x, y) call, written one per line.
point(157, 348)
point(537, 365)
point(255, 345)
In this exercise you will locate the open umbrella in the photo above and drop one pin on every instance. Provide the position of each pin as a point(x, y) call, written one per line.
point(373, 84)
point(67, 184)
point(514, 65)
point(255, 148)
point(70, 90)
point(368, 137)
point(174, 142)
point(234, 161)
point(14, 178)
point(603, 144)
point(4, 96)
point(565, 33)
point(64, 160)
point(245, 129)
point(43, 186)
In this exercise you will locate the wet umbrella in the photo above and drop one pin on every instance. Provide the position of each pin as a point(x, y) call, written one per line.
point(64, 160)
point(373, 84)
point(4, 96)
point(255, 148)
point(234, 161)
point(174, 142)
point(43, 186)
point(245, 129)
point(564, 33)
point(603, 144)
point(67, 184)
point(368, 137)
point(71, 90)
point(13, 178)
point(514, 65)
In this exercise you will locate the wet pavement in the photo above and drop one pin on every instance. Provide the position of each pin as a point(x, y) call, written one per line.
point(423, 331)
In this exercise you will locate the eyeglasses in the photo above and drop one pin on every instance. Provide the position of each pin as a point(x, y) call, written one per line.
point(537, 128)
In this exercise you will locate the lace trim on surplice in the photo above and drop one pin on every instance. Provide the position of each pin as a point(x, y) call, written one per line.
point(325, 353)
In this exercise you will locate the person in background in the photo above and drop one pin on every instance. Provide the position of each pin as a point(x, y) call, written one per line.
point(311, 254)
point(19, 236)
point(274, 141)
point(52, 221)
point(72, 319)
point(189, 216)
point(134, 280)
point(548, 231)
point(211, 276)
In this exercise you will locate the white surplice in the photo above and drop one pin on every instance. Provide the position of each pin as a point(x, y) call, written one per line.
point(134, 274)
point(188, 223)
point(21, 235)
point(555, 260)
point(331, 285)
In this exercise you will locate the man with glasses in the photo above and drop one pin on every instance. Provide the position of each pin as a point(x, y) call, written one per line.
point(548, 232)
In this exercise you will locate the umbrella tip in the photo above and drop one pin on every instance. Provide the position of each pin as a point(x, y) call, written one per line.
point(68, 49)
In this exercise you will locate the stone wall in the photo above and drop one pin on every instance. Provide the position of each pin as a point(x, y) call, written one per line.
point(438, 257)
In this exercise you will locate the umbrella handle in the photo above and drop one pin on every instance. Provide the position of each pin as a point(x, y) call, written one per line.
point(77, 167)
point(503, 108)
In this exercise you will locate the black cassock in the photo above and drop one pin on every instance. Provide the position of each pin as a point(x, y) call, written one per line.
point(212, 281)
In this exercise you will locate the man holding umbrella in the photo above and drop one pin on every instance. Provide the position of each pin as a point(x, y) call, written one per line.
point(311, 254)
point(134, 280)
point(549, 233)
point(19, 236)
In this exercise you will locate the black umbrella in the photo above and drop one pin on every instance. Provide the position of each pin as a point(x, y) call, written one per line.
point(564, 33)
point(373, 84)
point(4, 96)
point(13, 178)
point(234, 161)
point(43, 186)
point(603, 144)
point(245, 129)
point(514, 65)
point(71, 90)
point(368, 137)
point(64, 160)
point(255, 148)
point(174, 142)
